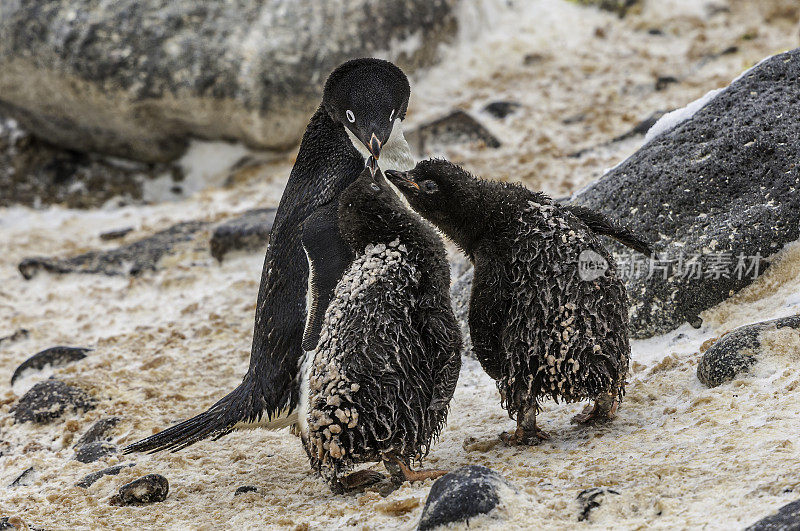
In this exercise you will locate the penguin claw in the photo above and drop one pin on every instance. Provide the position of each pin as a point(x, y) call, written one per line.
point(360, 480)
point(524, 438)
point(595, 413)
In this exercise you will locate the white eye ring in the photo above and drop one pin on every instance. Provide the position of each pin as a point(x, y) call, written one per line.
point(391, 115)
point(350, 116)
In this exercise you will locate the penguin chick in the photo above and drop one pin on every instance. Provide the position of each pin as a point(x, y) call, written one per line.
point(540, 326)
point(378, 384)
point(363, 99)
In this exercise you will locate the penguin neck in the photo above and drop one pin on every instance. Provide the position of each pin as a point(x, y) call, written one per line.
point(395, 154)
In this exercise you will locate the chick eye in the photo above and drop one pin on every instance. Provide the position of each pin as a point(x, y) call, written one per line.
point(375, 187)
point(430, 186)
point(391, 115)
point(350, 116)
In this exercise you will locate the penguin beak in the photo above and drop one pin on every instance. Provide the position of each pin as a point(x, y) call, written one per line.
point(375, 146)
point(372, 164)
point(402, 179)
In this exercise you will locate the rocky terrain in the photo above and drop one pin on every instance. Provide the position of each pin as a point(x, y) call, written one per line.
point(120, 319)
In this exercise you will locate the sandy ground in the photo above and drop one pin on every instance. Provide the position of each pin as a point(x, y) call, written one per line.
point(168, 344)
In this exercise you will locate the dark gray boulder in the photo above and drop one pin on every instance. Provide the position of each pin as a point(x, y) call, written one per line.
point(89, 479)
point(737, 351)
point(132, 259)
point(138, 78)
point(49, 400)
point(457, 127)
point(53, 357)
point(786, 519)
point(151, 488)
point(248, 232)
point(721, 188)
point(98, 431)
point(462, 494)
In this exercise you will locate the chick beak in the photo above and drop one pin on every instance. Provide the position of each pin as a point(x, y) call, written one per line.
point(402, 178)
point(372, 164)
point(375, 146)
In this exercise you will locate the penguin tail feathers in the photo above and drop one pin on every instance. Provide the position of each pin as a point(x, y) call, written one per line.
point(218, 421)
point(600, 224)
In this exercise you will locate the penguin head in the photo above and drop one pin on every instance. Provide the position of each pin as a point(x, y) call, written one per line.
point(369, 210)
point(444, 194)
point(367, 96)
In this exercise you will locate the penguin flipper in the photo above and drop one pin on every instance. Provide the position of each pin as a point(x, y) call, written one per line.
point(600, 224)
point(328, 257)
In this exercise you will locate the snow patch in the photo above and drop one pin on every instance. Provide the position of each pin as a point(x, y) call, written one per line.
point(672, 119)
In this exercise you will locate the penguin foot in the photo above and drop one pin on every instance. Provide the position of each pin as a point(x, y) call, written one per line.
point(602, 410)
point(401, 472)
point(522, 437)
point(360, 480)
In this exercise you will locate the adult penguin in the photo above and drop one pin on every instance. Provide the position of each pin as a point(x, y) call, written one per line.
point(363, 103)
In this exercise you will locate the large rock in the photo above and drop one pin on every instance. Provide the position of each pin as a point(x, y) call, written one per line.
point(34, 172)
point(736, 352)
point(138, 78)
point(786, 519)
point(462, 494)
point(723, 187)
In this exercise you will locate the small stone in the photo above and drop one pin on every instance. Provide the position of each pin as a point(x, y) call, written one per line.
point(735, 353)
point(664, 81)
point(462, 494)
point(89, 479)
point(26, 478)
point(244, 489)
point(49, 400)
point(147, 489)
point(98, 431)
point(116, 234)
point(88, 453)
point(132, 259)
point(22, 333)
point(53, 356)
point(501, 109)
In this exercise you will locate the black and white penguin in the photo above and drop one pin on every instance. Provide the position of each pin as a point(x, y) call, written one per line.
point(363, 104)
point(378, 384)
point(548, 315)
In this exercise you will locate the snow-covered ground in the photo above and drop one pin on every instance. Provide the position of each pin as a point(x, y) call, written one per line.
point(168, 344)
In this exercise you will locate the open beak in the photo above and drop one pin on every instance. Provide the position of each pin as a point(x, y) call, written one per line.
point(375, 146)
point(372, 164)
point(402, 178)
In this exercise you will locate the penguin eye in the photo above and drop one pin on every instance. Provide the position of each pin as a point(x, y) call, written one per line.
point(391, 115)
point(350, 116)
point(430, 186)
point(375, 187)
